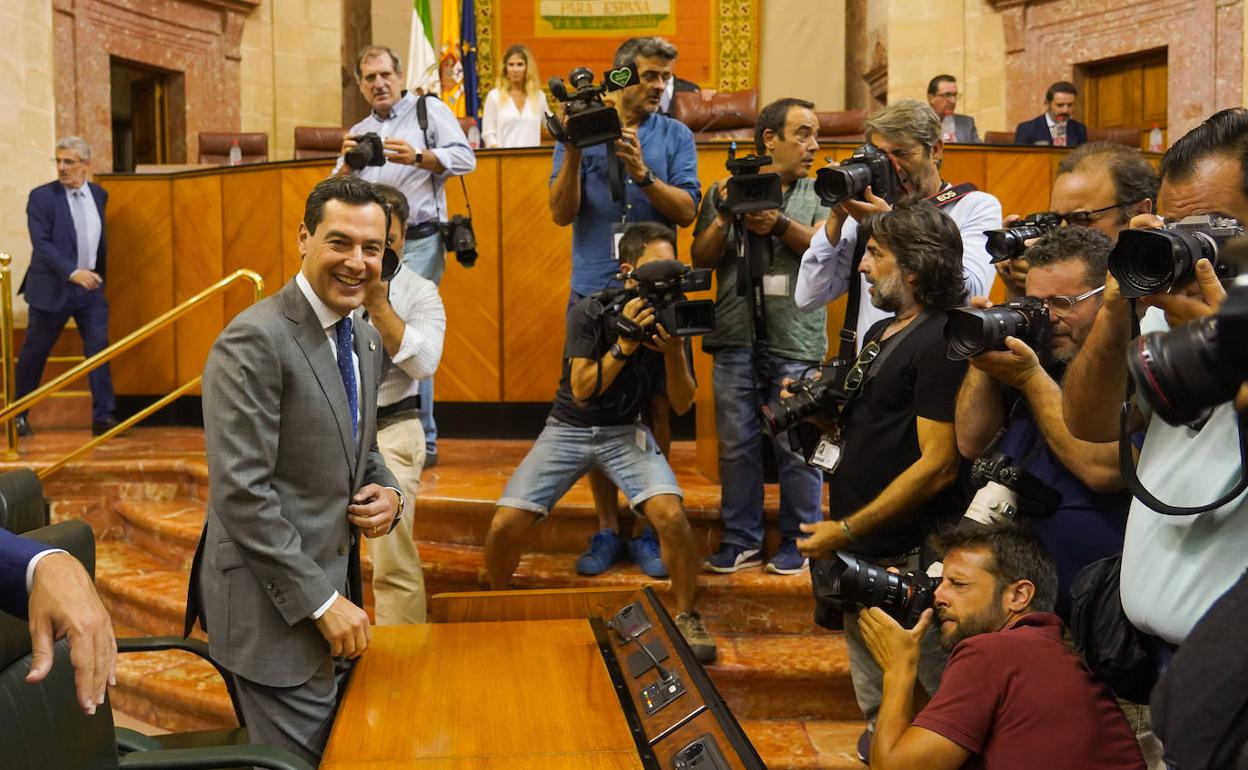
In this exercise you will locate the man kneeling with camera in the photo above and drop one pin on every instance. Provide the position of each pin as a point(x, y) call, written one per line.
point(1012, 696)
point(617, 355)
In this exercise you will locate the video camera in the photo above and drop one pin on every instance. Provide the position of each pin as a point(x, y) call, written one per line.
point(1151, 261)
point(845, 582)
point(662, 283)
point(369, 150)
point(869, 166)
point(970, 331)
point(1011, 242)
point(747, 190)
point(589, 121)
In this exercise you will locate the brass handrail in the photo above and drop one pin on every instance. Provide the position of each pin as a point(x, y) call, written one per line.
point(6, 349)
point(12, 408)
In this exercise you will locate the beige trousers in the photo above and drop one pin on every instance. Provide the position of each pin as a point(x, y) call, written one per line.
point(398, 578)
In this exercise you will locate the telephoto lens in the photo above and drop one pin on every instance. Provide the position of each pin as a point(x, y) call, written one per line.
point(970, 331)
point(845, 580)
point(1011, 242)
point(1146, 262)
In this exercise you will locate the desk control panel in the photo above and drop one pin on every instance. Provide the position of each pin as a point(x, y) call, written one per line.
point(661, 692)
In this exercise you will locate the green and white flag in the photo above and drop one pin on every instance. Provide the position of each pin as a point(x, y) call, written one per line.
point(422, 62)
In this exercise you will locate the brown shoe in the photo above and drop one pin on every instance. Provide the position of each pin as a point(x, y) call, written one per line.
point(700, 642)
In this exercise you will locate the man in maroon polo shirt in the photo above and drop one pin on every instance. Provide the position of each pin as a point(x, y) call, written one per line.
point(1012, 696)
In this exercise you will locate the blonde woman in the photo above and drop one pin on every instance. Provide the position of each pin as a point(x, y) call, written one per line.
point(514, 109)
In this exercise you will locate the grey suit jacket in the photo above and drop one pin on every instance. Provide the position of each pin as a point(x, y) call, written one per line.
point(964, 129)
point(282, 468)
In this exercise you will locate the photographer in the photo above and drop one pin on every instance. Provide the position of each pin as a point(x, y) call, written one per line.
point(1174, 567)
point(1013, 696)
point(418, 168)
point(795, 341)
point(909, 133)
point(898, 455)
point(596, 423)
point(1010, 403)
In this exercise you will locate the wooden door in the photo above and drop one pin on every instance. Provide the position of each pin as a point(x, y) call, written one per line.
point(1127, 93)
point(150, 111)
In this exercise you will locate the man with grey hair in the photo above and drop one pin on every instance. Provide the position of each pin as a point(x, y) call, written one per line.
point(66, 278)
point(909, 133)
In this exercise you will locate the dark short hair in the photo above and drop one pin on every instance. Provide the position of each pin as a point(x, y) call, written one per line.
point(395, 200)
point(641, 234)
point(933, 85)
point(369, 51)
point(774, 116)
point(1060, 87)
point(1017, 554)
point(1083, 244)
point(348, 189)
point(1134, 177)
point(630, 49)
point(928, 245)
point(1222, 133)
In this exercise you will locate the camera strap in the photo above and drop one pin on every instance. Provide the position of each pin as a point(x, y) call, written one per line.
point(422, 119)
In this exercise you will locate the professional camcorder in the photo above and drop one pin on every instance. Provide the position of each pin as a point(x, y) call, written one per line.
point(662, 284)
point(747, 190)
point(845, 582)
point(1151, 261)
point(810, 396)
point(971, 331)
point(1010, 243)
point(588, 120)
point(870, 167)
point(368, 151)
point(1186, 372)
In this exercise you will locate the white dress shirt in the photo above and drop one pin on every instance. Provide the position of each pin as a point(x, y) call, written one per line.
point(824, 274)
point(415, 299)
point(502, 125)
point(81, 203)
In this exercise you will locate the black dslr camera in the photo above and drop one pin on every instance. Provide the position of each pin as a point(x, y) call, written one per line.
point(1151, 261)
point(662, 284)
point(844, 582)
point(747, 190)
point(1009, 243)
point(870, 167)
point(457, 236)
point(368, 151)
point(971, 331)
point(589, 121)
point(810, 396)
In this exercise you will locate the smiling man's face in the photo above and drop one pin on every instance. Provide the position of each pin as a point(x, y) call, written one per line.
point(344, 254)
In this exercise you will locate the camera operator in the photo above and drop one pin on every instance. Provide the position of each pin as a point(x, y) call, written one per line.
point(1174, 567)
point(787, 131)
point(419, 169)
point(1101, 185)
point(1013, 696)
point(909, 133)
point(1010, 402)
point(596, 423)
point(898, 455)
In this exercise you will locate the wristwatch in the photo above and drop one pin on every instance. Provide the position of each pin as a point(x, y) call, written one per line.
point(618, 353)
point(648, 179)
point(419, 157)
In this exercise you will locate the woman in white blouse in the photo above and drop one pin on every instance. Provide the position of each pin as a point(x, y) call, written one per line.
point(514, 109)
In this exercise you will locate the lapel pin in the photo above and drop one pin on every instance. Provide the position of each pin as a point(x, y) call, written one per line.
point(372, 346)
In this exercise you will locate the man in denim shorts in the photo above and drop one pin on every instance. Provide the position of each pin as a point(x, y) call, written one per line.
point(607, 382)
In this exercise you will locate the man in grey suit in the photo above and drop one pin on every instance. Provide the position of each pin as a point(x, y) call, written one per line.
point(942, 95)
point(289, 397)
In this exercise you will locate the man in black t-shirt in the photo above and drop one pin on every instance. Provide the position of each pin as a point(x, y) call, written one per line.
point(595, 422)
point(898, 454)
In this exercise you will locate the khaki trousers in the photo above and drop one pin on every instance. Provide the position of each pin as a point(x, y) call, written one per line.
point(398, 578)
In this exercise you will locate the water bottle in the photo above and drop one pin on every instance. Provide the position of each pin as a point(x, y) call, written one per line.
point(474, 137)
point(236, 154)
point(1154, 140)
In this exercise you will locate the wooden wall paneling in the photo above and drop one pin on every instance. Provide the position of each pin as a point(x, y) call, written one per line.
point(962, 164)
point(197, 242)
point(1155, 90)
point(1022, 181)
point(139, 281)
point(252, 231)
point(471, 368)
point(297, 184)
point(536, 264)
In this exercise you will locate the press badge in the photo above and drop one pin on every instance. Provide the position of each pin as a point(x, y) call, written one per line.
point(617, 232)
point(827, 454)
point(776, 285)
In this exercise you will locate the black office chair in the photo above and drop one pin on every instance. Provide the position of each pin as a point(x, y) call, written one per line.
point(44, 727)
point(22, 504)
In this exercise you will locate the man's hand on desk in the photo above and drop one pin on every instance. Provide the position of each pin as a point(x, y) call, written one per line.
point(345, 626)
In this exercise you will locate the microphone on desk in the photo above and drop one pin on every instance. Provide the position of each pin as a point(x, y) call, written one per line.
point(664, 674)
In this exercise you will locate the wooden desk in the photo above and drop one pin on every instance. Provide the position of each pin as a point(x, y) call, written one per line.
point(480, 696)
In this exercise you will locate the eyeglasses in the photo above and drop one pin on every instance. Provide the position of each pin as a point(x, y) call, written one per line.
point(66, 162)
point(1063, 304)
point(1085, 218)
point(858, 372)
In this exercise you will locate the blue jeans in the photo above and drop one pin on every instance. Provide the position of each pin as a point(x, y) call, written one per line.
point(737, 401)
point(426, 257)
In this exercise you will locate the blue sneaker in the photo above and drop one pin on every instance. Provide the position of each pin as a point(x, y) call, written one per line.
point(605, 549)
point(787, 560)
point(645, 551)
point(730, 558)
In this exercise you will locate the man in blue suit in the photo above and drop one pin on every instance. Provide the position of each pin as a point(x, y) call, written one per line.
point(66, 277)
point(1056, 126)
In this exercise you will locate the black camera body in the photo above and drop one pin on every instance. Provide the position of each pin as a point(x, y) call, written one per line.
point(970, 331)
point(1010, 243)
point(1152, 261)
point(843, 582)
point(661, 283)
point(1006, 491)
point(369, 150)
point(747, 190)
point(869, 166)
point(822, 395)
point(458, 236)
point(588, 120)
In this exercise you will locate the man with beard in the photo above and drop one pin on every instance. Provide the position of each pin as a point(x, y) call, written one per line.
point(1011, 394)
point(1012, 695)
